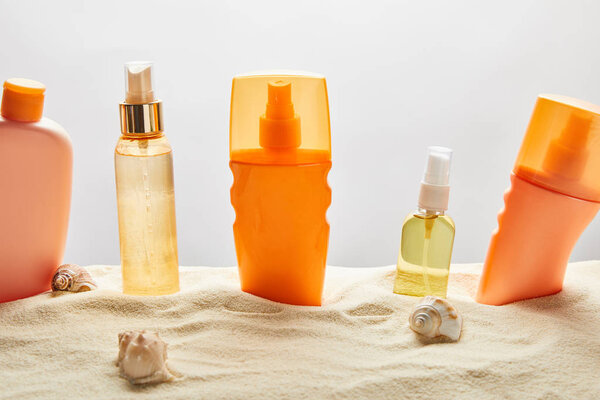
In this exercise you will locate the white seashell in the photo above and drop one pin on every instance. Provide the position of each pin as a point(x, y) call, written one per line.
point(433, 317)
point(72, 278)
point(143, 358)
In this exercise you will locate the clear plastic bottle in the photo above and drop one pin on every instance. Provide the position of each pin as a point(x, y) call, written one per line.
point(428, 234)
point(145, 191)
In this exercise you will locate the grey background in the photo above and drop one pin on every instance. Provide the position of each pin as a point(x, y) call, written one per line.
point(402, 75)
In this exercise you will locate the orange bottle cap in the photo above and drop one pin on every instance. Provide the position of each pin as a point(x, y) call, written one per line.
point(561, 149)
point(279, 118)
point(23, 100)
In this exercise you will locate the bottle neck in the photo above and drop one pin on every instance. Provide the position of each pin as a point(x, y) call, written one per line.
point(141, 119)
point(423, 211)
point(146, 136)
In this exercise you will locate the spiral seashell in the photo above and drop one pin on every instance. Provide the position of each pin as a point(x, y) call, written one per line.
point(72, 278)
point(433, 317)
point(143, 358)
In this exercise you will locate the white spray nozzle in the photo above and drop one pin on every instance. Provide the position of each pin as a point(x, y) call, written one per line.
point(434, 186)
point(438, 165)
point(139, 83)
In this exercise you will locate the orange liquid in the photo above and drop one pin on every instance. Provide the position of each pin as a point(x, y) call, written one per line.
point(281, 232)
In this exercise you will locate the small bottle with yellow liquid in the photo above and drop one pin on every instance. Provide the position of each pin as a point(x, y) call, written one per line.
point(428, 234)
point(145, 190)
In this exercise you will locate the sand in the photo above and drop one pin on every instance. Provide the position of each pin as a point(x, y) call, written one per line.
point(229, 344)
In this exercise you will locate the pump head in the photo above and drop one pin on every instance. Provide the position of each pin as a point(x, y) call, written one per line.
point(567, 154)
point(434, 186)
point(280, 125)
point(139, 83)
point(438, 165)
point(141, 112)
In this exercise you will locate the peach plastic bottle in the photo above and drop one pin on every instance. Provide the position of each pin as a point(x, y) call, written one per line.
point(36, 162)
point(280, 150)
point(554, 194)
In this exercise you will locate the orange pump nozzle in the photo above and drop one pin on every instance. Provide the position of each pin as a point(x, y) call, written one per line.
point(567, 154)
point(279, 126)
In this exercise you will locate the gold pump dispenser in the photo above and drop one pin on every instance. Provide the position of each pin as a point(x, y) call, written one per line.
point(141, 113)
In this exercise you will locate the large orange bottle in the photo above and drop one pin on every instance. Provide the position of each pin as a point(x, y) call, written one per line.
point(554, 194)
point(280, 151)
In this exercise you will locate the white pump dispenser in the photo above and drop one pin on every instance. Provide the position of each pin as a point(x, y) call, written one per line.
point(435, 189)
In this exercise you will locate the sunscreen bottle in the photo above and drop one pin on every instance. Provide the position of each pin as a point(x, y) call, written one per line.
point(36, 161)
point(280, 156)
point(554, 194)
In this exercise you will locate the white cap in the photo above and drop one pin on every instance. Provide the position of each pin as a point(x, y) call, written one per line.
point(434, 186)
point(139, 83)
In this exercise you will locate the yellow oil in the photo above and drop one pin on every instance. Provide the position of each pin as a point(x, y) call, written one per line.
point(425, 253)
point(146, 206)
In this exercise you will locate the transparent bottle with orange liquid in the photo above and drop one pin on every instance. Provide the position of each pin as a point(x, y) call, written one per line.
point(280, 152)
point(554, 195)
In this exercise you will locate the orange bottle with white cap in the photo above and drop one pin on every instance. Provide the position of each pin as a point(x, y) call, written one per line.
point(35, 184)
point(555, 193)
point(280, 151)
